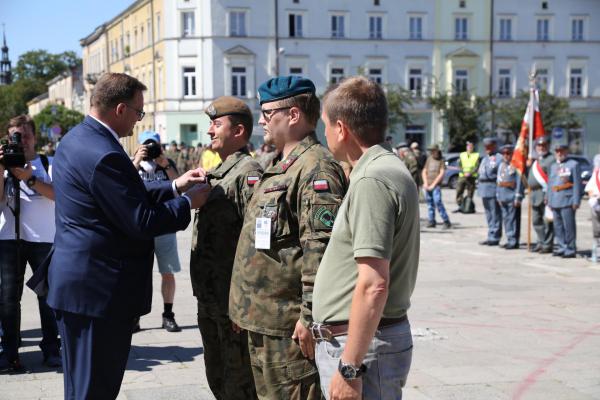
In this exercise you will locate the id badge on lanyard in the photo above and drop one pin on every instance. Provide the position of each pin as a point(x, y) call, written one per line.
point(262, 234)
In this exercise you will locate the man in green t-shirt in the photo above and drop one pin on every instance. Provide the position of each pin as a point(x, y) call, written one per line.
point(368, 272)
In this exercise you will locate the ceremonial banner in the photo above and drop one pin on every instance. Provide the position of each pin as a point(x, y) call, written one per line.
point(531, 129)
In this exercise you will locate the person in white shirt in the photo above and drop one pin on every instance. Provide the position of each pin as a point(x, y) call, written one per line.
point(593, 190)
point(36, 229)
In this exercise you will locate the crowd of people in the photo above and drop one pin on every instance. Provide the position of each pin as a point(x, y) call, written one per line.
point(302, 292)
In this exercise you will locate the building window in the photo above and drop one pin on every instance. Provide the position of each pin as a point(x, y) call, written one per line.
point(295, 21)
point(237, 23)
point(415, 28)
point(543, 29)
point(461, 81)
point(462, 4)
point(189, 81)
point(577, 29)
point(504, 82)
point(336, 75)
point(337, 26)
point(543, 79)
point(375, 27)
point(376, 75)
point(149, 32)
point(187, 23)
point(544, 5)
point(296, 1)
point(460, 28)
point(296, 71)
point(136, 44)
point(415, 82)
point(238, 81)
point(375, 2)
point(576, 82)
point(122, 41)
point(157, 27)
point(505, 29)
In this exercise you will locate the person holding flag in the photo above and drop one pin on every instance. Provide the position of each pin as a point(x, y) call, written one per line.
point(539, 170)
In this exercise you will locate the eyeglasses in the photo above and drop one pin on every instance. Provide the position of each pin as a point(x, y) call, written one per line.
point(269, 112)
point(140, 113)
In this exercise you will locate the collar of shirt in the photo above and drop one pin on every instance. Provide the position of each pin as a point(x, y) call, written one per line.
point(107, 127)
point(369, 155)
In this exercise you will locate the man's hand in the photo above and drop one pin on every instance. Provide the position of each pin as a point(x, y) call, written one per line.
point(341, 389)
point(162, 160)
point(190, 178)
point(529, 162)
point(575, 207)
point(140, 154)
point(517, 203)
point(467, 174)
point(236, 328)
point(305, 340)
point(22, 174)
point(198, 195)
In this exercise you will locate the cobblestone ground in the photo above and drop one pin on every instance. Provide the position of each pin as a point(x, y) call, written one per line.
point(488, 324)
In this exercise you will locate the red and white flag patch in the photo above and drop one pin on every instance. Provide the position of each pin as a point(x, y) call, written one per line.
point(251, 180)
point(320, 185)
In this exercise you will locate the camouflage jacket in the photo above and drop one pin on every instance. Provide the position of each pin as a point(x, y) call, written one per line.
point(217, 228)
point(272, 289)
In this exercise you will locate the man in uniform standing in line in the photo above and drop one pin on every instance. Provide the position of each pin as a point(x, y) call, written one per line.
point(563, 197)
point(410, 160)
point(286, 230)
point(539, 170)
point(488, 175)
point(216, 232)
point(468, 162)
point(368, 273)
point(509, 193)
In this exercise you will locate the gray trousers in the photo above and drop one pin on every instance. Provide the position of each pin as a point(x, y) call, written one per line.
point(565, 229)
point(509, 218)
point(493, 216)
point(388, 362)
point(544, 230)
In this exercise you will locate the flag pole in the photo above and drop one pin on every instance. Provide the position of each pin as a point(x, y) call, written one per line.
point(531, 118)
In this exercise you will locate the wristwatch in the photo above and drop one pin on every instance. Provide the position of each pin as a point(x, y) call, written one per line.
point(31, 181)
point(349, 371)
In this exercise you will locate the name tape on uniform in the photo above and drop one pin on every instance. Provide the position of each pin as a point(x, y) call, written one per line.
point(262, 234)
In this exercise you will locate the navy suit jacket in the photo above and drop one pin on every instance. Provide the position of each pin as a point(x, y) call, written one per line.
point(106, 219)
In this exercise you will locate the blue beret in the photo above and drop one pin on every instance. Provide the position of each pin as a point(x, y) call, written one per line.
point(282, 87)
point(148, 135)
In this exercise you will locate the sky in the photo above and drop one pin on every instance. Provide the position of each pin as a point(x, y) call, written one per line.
point(53, 25)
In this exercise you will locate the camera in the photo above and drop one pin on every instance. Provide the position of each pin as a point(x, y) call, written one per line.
point(14, 154)
point(153, 148)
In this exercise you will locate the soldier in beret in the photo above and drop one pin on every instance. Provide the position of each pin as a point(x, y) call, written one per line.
point(286, 229)
point(216, 232)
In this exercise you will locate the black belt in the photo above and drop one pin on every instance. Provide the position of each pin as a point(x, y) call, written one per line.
point(329, 331)
point(487, 181)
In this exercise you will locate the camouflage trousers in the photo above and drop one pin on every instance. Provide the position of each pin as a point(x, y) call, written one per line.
point(226, 359)
point(280, 370)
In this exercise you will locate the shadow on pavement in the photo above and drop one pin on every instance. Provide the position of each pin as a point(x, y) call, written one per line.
point(143, 358)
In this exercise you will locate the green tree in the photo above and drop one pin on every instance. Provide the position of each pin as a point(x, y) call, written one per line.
point(555, 112)
point(398, 101)
point(62, 116)
point(463, 115)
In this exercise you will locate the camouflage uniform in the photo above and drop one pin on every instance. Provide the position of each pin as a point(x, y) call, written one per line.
point(411, 162)
point(272, 289)
point(216, 231)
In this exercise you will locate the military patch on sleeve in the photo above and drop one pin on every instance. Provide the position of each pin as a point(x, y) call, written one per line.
point(251, 180)
point(323, 218)
point(320, 185)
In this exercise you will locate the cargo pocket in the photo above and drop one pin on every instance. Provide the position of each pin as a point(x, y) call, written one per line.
point(275, 209)
point(300, 369)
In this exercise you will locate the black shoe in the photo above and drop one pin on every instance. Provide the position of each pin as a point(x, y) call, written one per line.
point(170, 325)
point(456, 211)
point(572, 255)
point(447, 225)
point(536, 249)
point(11, 367)
point(53, 361)
point(484, 242)
point(493, 243)
point(430, 225)
point(136, 325)
point(546, 250)
point(557, 254)
point(511, 246)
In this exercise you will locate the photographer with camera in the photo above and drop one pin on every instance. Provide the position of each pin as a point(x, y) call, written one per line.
point(24, 171)
point(153, 165)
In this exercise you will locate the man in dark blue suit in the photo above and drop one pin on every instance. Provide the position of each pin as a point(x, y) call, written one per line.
point(100, 274)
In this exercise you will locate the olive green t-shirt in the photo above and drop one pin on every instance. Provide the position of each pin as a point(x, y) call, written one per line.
point(379, 218)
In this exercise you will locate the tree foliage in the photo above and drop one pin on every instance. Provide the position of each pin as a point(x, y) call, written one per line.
point(555, 112)
point(53, 115)
point(463, 115)
point(399, 100)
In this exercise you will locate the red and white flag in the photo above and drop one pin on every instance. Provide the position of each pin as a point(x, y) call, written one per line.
point(538, 173)
point(532, 128)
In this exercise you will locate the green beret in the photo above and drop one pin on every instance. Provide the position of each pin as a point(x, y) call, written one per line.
point(282, 87)
point(227, 105)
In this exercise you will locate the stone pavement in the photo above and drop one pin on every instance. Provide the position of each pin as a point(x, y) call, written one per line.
point(488, 324)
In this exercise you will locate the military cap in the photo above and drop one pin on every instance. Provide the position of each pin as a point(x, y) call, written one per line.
point(542, 141)
point(401, 145)
point(561, 146)
point(148, 135)
point(282, 87)
point(507, 148)
point(489, 140)
point(227, 105)
point(434, 147)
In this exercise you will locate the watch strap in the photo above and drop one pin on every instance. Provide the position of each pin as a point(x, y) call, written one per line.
point(31, 181)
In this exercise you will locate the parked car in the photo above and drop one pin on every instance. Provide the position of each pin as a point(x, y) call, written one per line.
point(452, 170)
point(585, 167)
